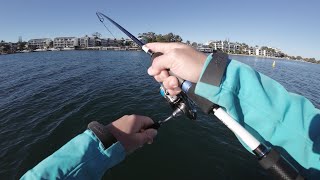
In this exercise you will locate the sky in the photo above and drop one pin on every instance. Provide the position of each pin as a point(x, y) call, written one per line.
point(290, 25)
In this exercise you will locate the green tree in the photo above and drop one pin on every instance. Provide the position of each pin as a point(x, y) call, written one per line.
point(32, 47)
point(153, 37)
point(160, 38)
point(177, 38)
point(149, 36)
point(96, 35)
point(128, 43)
point(6, 48)
point(169, 37)
point(312, 60)
point(188, 42)
point(22, 45)
point(51, 44)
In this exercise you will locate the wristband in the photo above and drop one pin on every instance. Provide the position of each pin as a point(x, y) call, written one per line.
point(106, 138)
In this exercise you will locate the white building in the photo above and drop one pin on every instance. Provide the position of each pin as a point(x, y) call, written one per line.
point(87, 41)
point(43, 43)
point(224, 46)
point(65, 42)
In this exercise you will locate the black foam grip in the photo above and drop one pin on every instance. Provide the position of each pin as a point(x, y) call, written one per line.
point(204, 104)
point(279, 167)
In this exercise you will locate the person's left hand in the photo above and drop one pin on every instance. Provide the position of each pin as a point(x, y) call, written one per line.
point(131, 132)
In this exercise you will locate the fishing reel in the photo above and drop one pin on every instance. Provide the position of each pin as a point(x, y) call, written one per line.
point(180, 104)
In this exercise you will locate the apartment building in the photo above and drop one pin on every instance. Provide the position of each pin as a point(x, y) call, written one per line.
point(43, 43)
point(65, 42)
point(87, 41)
point(225, 46)
point(109, 42)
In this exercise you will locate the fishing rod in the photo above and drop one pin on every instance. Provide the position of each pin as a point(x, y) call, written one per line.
point(268, 158)
point(180, 104)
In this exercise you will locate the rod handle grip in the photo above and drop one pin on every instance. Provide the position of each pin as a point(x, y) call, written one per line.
point(279, 167)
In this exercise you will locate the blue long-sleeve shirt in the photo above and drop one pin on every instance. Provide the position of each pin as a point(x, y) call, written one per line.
point(259, 103)
point(84, 157)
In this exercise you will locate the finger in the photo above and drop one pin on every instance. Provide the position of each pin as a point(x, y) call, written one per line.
point(161, 47)
point(145, 136)
point(151, 133)
point(171, 82)
point(162, 76)
point(174, 92)
point(163, 62)
point(153, 72)
point(144, 121)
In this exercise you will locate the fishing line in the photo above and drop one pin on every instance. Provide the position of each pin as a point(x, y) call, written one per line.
point(101, 19)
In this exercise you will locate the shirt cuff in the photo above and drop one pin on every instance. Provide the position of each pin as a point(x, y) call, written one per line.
point(115, 153)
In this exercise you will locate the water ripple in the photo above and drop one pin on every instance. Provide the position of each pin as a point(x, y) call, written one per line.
point(48, 98)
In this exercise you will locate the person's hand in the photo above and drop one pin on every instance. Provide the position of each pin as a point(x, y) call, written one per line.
point(131, 132)
point(181, 59)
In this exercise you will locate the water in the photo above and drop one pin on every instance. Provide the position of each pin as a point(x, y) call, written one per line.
point(49, 97)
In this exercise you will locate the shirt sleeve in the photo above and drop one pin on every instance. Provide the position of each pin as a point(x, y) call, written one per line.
point(84, 157)
point(268, 111)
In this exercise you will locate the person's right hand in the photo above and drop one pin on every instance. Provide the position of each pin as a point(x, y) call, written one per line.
point(181, 59)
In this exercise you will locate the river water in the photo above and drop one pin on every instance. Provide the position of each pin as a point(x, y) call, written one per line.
point(47, 98)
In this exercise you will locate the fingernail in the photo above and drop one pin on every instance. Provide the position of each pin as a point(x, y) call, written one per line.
point(177, 89)
point(152, 133)
point(150, 71)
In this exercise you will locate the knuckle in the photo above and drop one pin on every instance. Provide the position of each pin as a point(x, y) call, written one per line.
point(166, 83)
point(155, 62)
point(157, 78)
point(131, 118)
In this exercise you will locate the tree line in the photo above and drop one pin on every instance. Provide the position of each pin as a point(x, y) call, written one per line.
point(153, 37)
point(147, 37)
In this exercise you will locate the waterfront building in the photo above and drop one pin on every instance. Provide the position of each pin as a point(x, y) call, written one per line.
point(65, 42)
point(225, 46)
point(109, 42)
point(204, 48)
point(216, 45)
point(43, 43)
point(87, 41)
point(252, 51)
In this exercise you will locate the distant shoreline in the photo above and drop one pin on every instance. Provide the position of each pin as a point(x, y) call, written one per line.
point(96, 49)
point(268, 57)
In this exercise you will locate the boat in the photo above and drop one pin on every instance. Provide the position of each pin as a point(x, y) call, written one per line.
point(40, 50)
point(25, 51)
point(67, 49)
point(274, 64)
point(53, 49)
